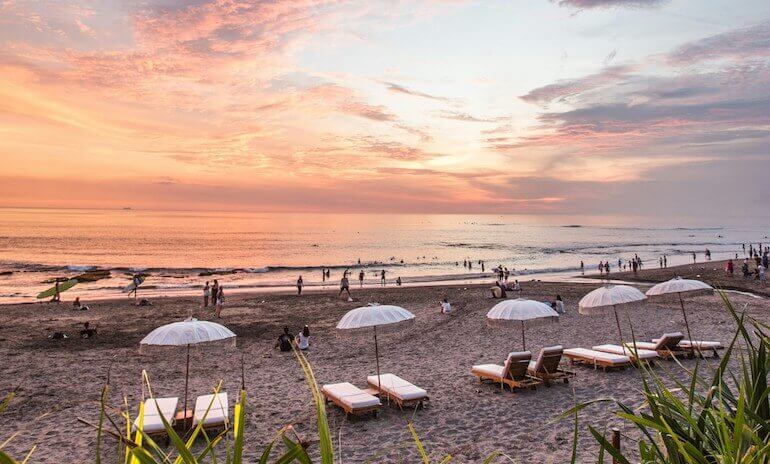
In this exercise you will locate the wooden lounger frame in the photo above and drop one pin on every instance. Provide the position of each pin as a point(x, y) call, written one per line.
point(526, 382)
point(596, 363)
point(400, 402)
point(348, 410)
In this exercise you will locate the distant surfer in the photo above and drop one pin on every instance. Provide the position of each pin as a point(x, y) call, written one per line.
point(137, 280)
point(56, 293)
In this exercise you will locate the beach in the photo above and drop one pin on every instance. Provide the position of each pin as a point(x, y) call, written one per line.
point(59, 381)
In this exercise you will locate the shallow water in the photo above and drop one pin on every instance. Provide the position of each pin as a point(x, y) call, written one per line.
point(263, 251)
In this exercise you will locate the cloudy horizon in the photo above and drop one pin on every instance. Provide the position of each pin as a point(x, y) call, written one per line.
point(651, 107)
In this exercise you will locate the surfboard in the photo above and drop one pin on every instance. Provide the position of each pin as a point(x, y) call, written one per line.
point(63, 287)
point(130, 287)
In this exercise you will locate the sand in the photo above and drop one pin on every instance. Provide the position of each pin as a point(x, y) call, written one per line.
point(62, 378)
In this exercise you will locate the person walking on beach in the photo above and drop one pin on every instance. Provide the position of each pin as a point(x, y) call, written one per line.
point(137, 280)
point(344, 285)
point(729, 267)
point(582, 268)
point(665, 261)
point(299, 285)
point(206, 294)
point(361, 279)
point(382, 277)
point(214, 292)
point(56, 293)
point(761, 274)
point(607, 267)
point(601, 268)
point(220, 301)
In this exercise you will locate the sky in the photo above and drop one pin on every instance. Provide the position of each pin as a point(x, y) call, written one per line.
point(649, 107)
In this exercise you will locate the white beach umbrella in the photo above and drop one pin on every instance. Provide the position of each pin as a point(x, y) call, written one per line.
point(372, 316)
point(609, 296)
point(187, 333)
point(679, 285)
point(521, 311)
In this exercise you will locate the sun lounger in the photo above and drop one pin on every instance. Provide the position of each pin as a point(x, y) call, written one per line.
point(217, 415)
point(513, 373)
point(546, 366)
point(640, 354)
point(698, 346)
point(398, 390)
point(667, 345)
point(152, 424)
point(597, 358)
point(351, 399)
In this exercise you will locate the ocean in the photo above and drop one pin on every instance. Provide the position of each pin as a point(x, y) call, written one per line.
point(180, 250)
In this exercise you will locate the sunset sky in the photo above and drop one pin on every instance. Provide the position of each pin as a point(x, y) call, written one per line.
point(564, 106)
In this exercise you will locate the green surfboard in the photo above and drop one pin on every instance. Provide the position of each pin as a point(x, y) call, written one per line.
point(63, 287)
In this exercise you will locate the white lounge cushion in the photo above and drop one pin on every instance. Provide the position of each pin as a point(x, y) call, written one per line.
point(489, 369)
point(645, 345)
point(594, 355)
point(398, 387)
point(152, 423)
point(350, 395)
point(702, 344)
point(218, 412)
point(617, 349)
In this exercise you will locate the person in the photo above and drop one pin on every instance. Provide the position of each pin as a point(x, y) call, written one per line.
point(214, 292)
point(382, 277)
point(693, 257)
point(361, 276)
point(344, 285)
point(482, 266)
point(559, 303)
point(665, 261)
point(285, 340)
point(299, 286)
point(607, 267)
point(506, 274)
point(498, 289)
point(661, 262)
point(220, 301)
point(729, 267)
point(77, 306)
point(446, 308)
point(323, 275)
point(582, 267)
point(56, 295)
point(601, 268)
point(745, 268)
point(634, 265)
point(87, 331)
point(137, 280)
point(304, 338)
point(761, 274)
point(206, 294)
point(398, 281)
point(516, 286)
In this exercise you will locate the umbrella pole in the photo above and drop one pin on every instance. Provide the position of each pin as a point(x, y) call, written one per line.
point(186, 378)
point(523, 341)
point(684, 313)
point(377, 358)
point(617, 321)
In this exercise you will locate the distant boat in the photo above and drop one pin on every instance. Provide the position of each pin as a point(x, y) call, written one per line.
point(126, 208)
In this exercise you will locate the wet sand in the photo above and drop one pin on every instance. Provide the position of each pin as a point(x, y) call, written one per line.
point(62, 378)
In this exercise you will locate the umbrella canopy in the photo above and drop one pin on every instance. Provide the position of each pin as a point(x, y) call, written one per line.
point(373, 316)
point(520, 311)
point(610, 296)
point(679, 285)
point(186, 333)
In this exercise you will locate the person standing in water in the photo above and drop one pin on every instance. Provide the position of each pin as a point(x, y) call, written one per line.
point(206, 294)
point(299, 285)
point(361, 278)
point(382, 277)
point(398, 281)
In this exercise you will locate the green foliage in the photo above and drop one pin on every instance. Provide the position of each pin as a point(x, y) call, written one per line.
point(724, 420)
